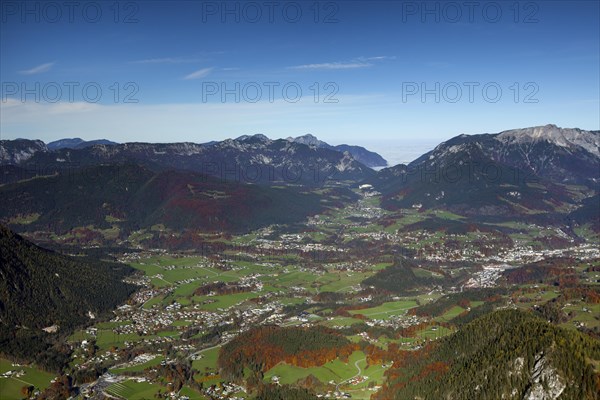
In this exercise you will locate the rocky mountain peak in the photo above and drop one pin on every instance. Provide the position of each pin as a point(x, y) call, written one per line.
point(259, 137)
point(562, 137)
point(309, 140)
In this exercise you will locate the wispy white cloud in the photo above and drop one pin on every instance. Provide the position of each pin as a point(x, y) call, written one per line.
point(357, 63)
point(166, 60)
point(333, 65)
point(38, 69)
point(197, 57)
point(201, 73)
point(377, 58)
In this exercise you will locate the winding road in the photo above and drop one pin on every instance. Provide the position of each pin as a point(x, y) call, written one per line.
point(337, 387)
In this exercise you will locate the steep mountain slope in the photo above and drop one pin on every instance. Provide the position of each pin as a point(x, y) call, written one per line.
point(515, 172)
point(134, 197)
point(43, 289)
point(10, 173)
point(188, 200)
point(507, 354)
point(362, 155)
point(561, 155)
point(20, 150)
point(588, 213)
point(548, 152)
point(470, 183)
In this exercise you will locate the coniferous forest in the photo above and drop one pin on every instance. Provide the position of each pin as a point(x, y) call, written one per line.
point(43, 289)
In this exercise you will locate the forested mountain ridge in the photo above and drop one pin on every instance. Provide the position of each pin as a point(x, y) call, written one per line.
point(506, 354)
point(133, 196)
point(41, 289)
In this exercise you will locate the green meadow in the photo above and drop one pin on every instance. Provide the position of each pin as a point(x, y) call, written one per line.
point(387, 310)
point(10, 388)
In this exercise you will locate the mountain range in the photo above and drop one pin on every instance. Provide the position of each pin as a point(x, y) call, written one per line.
point(248, 159)
point(543, 173)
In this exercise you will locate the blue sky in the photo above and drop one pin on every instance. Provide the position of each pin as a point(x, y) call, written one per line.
point(161, 69)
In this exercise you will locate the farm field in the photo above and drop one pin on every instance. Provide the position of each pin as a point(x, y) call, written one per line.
point(132, 390)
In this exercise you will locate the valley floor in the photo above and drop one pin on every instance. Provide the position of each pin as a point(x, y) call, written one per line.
point(191, 303)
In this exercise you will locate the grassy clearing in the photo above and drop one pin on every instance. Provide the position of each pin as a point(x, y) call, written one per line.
point(24, 219)
point(208, 362)
point(10, 388)
point(387, 310)
point(334, 372)
point(343, 281)
point(214, 303)
point(450, 314)
point(433, 332)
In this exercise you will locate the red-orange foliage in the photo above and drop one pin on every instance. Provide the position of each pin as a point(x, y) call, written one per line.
point(437, 368)
point(264, 347)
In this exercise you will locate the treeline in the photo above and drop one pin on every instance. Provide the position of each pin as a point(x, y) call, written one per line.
point(261, 348)
point(500, 355)
point(41, 289)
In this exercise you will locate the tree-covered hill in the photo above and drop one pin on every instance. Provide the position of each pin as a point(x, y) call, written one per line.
point(400, 278)
point(506, 354)
point(133, 197)
point(40, 289)
point(304, 347)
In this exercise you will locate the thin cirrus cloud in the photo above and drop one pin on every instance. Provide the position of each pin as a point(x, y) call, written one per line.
point(165, 60)
point(201, 73)
point(196, 58)
point(360, 62)
point(38, 69)
point(333, 65)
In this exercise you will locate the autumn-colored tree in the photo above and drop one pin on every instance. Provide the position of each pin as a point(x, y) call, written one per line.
point(27, 390)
